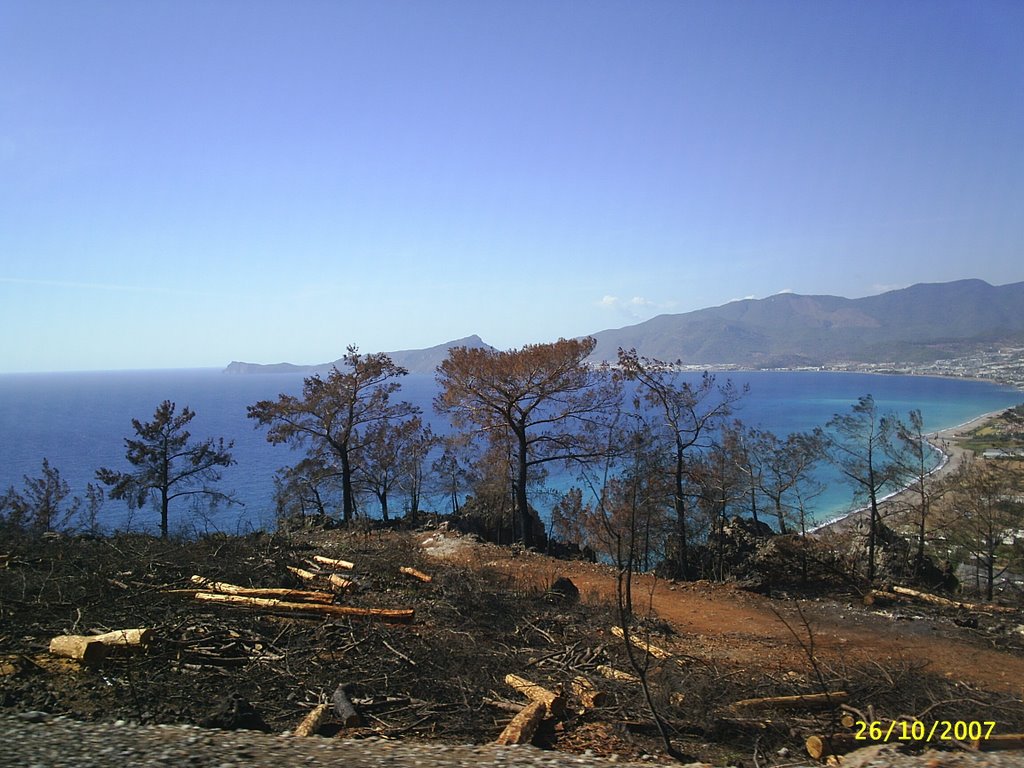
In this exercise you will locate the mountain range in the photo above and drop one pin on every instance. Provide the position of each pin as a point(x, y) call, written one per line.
point(922, 323)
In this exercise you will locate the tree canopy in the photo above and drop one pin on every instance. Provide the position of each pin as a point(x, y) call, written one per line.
point(168, 464)
point(544, 398)
point(333, 415)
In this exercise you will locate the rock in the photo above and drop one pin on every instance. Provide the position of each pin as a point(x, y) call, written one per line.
point(563, 591)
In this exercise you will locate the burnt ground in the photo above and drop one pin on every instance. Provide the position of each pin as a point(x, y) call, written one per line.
point(488, 612)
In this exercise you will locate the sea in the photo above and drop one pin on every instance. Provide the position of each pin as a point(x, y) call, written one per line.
point(79, 421)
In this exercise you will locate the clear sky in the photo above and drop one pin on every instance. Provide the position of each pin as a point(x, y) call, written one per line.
point(188, 182)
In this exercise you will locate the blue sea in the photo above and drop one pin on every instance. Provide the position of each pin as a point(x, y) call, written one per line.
point(79, 421)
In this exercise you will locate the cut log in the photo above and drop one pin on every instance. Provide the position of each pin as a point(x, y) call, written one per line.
point(524, 725)
point(653, 650)
point(303, 574)
point(344, 710)
point(820, 747)
point(268, 592)
point(312, 721)
point(588, 693)
point(403, 615)
point(945, 602)
point(92, 649)
point(343, 565)
point(553, 702)
point(884, 597)
point(339, 582)
point(616, 674)
point(416, 574)
point(80, 648)
point(1000, 742)
point(806, 701)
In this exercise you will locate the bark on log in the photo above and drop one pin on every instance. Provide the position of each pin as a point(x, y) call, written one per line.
point(416, 574)
point(268, 592)
point(819, 747)
point(884, 597)
point(343, 565)
point(653, 650)
point(312, 721)
point(553, 702)
point(344, 710)
point(806, 701)
point(999, 742)
point(616, 674)
point(524, 725)
point(947, 603)
point(403, 615)
point(588, 693)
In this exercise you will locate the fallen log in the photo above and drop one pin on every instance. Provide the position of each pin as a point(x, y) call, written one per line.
point(403, 615)
point(339, 582)
point(83, 649)
point(416, 574)
point(616, 674)
point(343, 565)
point(1000, 742)
point(268, 592)
point(804, 701)
point(553, 702)
point(303, 574)
point(523, 726)
point(587, 693)
point(344, 710)
point(945, 602)
point(653, 650)
point(884, 597)
point(312, 721)
point(820, 747)
point(92, 649)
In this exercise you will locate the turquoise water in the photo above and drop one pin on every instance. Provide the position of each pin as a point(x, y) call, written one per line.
point(79, 422)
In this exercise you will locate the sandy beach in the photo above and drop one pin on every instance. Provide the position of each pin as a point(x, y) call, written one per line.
point(946, 441)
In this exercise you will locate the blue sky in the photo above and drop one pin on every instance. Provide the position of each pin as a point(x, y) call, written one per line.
point(186, 183)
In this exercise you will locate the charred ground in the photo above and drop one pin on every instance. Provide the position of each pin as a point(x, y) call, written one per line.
point(488, 612)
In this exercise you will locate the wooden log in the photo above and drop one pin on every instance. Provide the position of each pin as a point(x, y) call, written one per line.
point(80, 648)
point(588, 693)
point(822, 746)
point(554, 702)
point(523, 726)
point(339, 582)
point(416, 574)
point(403, 615)
point(805, 701)
point(93, 649)
point(926, 597)
point(268, 592)
point(1000, 742)
point(884, 597)
point(343, 565)
point(344, 710)
point(303, 574)
point(312, 721)
point(653, 650)
point(616, 674)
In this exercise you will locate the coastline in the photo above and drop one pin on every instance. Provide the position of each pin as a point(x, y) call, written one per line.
point(946, 442)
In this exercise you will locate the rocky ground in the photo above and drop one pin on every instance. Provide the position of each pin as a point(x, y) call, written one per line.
point(439, 681)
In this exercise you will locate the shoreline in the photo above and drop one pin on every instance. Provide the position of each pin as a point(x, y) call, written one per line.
point(946, 442)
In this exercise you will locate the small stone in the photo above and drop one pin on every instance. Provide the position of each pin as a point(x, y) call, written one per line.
point(35, 716)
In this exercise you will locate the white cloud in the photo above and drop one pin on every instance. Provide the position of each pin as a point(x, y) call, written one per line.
point(742, 298)
point(636, 308)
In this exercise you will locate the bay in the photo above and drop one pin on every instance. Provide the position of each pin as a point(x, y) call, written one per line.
point(78, 421)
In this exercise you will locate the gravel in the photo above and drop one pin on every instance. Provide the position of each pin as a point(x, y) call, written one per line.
point(41, 740)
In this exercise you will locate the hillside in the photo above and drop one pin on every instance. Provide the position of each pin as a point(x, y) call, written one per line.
point(924, 322)
point(414, 360)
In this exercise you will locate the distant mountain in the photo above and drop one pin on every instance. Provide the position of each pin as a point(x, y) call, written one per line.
point(414, 360)
point(925, 322)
